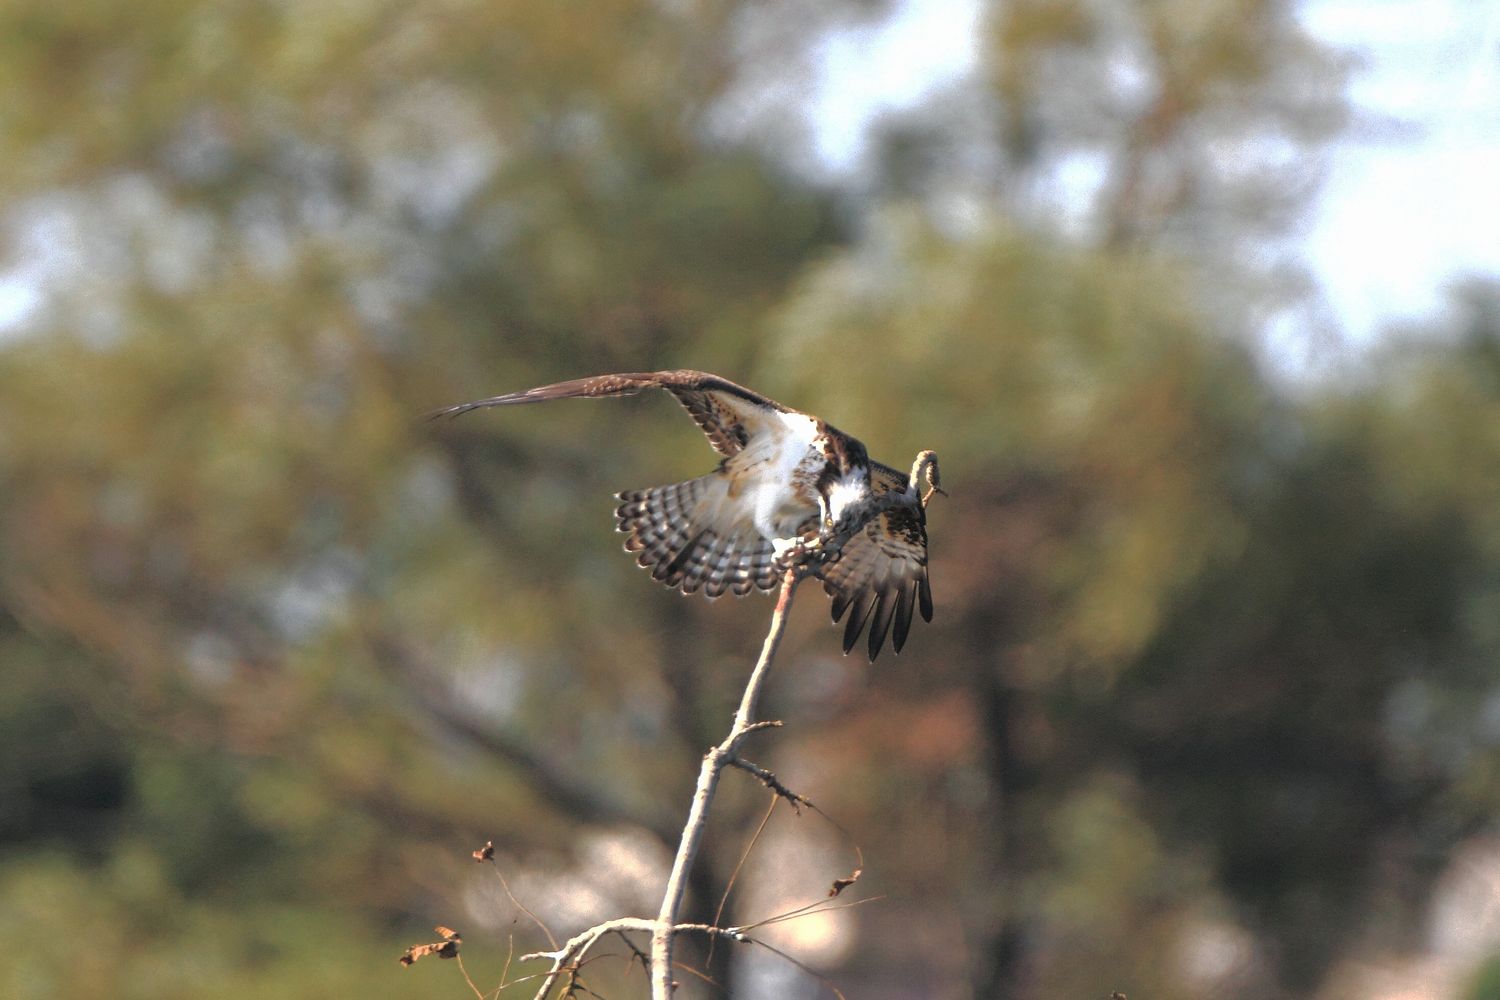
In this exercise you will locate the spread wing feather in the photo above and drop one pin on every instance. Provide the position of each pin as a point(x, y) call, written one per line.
point(686, 543)
point(728, 414)
point(881, 571)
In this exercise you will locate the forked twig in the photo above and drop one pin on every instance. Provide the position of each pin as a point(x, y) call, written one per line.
point(823, 905)
point(570, 956)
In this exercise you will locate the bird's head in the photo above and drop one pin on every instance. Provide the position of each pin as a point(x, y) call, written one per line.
point(924, 472)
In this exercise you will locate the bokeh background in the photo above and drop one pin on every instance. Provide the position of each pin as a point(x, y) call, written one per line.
point(1210, 705)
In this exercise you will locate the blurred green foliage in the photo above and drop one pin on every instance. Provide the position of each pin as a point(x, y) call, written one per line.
point(1209, 700)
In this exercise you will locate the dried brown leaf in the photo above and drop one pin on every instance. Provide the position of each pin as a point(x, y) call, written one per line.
point(485, 853)
point(446, 948)
point(840, 884)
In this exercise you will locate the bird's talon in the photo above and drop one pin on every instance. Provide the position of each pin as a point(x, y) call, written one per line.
point(796, 551)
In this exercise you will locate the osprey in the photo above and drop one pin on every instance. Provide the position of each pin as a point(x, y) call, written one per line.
point(786, 482)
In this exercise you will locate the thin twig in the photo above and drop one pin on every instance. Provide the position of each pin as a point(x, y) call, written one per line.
point(637, 953)
point(769, 779)
point(822, 979)
point(510, 953)
point(551, 940)
point(467, 979)
point(714, 763)
point(819, 906)
point(734, 876)
point(710, 980)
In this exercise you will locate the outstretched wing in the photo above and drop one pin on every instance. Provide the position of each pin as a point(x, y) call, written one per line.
point(687, 536)
point(729, 414)
point(882, 572)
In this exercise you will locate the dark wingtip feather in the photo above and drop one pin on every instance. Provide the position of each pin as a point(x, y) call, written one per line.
point(903, 618)
point(861, 611)
point(924, 598)
point(880, 625)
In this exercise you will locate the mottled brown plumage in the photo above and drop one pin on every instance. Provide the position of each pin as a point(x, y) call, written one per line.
point(785, 478)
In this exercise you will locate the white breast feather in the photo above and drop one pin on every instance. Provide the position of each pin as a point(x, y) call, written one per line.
point(774, 457)
point(848, 488)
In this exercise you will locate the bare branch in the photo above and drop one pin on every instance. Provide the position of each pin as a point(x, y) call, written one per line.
point(570, 956)
point(708, 779)
point(802, 562)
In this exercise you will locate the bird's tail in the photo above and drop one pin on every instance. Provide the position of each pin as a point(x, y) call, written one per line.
point(681, 536)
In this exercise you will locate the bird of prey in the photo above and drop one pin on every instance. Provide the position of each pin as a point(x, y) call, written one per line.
point(786, 481)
